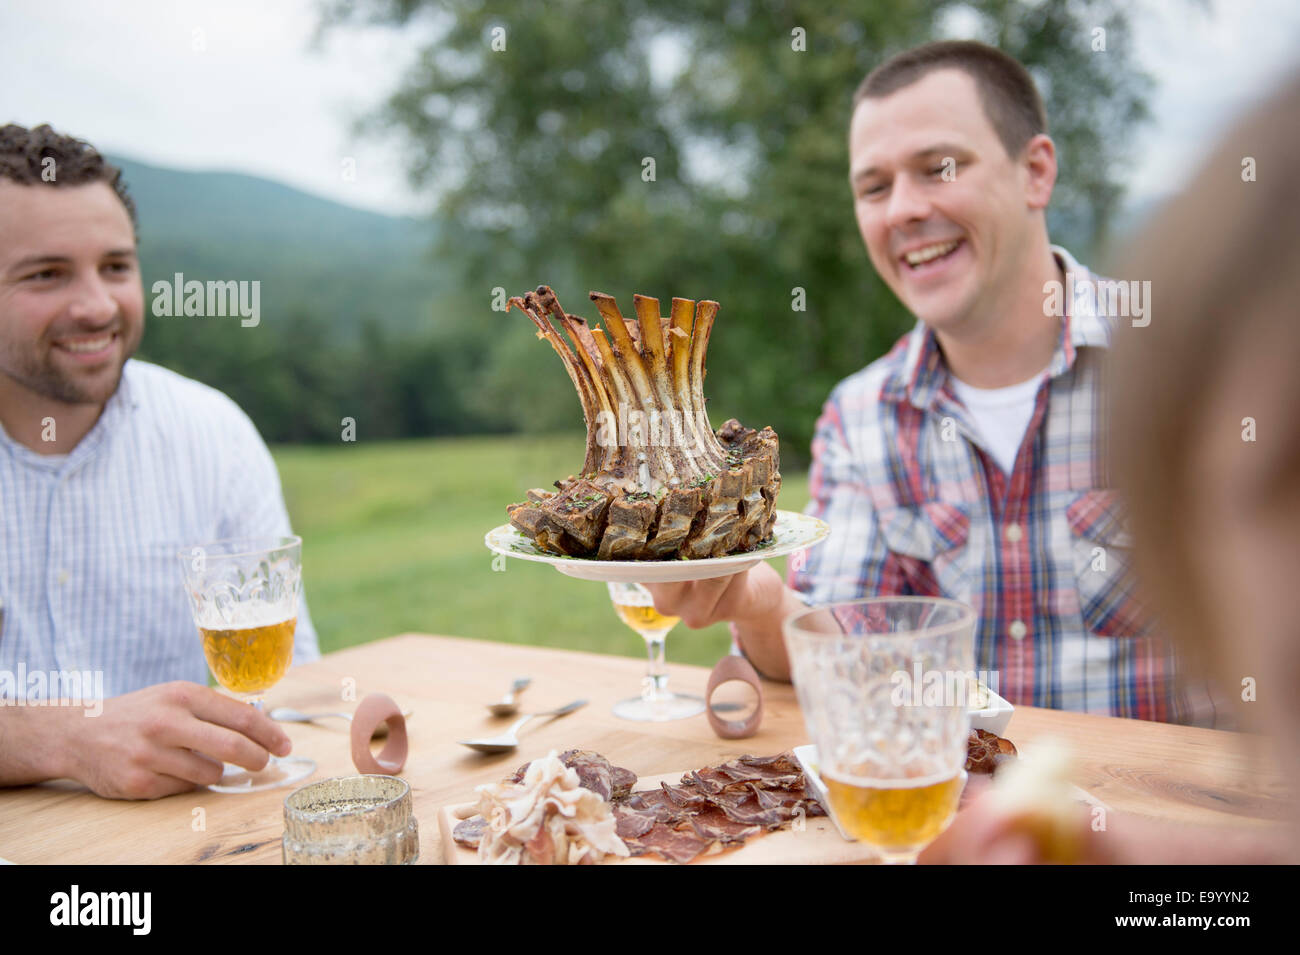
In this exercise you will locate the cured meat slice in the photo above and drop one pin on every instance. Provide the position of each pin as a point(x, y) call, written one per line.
point(713, 823)
point(623, 781)
point(469, 831)
point(686, 797)
point(775, 772)
point(747, 810)
point(782, 762)
point(655, 801)
point(769, 799)
point(811, 804)
point(595, 773)
point(676, 845)
point(630, 823)
point(985, 752)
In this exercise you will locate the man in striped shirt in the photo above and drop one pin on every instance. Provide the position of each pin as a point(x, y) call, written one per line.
point(108, 466)
point(967, 462)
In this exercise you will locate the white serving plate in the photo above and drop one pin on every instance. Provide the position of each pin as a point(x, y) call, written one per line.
point(807, 756)
point(791, 532)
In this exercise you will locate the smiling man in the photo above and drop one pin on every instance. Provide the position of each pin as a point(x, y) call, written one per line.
point(108, 466)
point(966, 463)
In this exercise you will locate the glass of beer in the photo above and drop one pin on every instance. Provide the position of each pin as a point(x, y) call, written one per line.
point(244, 597)
point(883, 685)
point(636, 608)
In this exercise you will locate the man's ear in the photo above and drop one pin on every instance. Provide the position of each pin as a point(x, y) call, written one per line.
point(1038, 160)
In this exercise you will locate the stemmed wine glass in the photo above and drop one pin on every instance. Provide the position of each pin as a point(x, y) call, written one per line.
point(636, 608)
point(244, 597)
point(883, 685)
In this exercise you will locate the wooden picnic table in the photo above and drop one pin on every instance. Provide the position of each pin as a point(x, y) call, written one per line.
point(1169, 772)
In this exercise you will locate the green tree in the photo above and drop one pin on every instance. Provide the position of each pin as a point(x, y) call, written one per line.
point(534, 123)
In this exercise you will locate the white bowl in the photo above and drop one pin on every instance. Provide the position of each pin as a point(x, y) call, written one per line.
point(994, 717)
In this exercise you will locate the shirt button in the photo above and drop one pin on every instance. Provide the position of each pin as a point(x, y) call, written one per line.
point(1018, 630)
point(64, 577)
point(1014, 533)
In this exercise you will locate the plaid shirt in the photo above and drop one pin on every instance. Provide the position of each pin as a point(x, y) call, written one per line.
point(917, 505)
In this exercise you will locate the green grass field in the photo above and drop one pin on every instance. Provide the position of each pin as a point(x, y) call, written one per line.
point(393, 542)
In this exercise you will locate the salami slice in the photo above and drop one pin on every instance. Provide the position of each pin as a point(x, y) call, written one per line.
point(469, 831)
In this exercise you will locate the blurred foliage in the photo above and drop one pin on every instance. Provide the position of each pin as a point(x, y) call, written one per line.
point(537, 151)
point(298, 380)
point(346, 309)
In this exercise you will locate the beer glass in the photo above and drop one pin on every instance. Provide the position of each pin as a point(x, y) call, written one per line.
point(636, 608)
point(883, 685)
point(244, 598)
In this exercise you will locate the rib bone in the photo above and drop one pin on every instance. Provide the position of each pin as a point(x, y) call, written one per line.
point(657, 481)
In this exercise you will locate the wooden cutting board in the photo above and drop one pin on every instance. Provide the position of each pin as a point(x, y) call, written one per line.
point(817, 843)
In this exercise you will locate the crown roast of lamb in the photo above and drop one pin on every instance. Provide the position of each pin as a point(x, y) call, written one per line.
point(657, 483)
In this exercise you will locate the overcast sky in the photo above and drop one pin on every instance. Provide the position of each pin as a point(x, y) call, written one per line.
point(236, 85)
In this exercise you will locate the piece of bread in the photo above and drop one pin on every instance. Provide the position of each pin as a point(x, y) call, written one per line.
point(1036, 790)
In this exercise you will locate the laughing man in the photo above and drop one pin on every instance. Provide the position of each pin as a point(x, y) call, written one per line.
point(966, 462)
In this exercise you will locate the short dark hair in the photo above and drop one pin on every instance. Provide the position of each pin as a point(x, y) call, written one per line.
point(1007, 91)
point(23, 153)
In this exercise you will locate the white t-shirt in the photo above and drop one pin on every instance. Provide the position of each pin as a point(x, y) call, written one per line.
point(1001, 415)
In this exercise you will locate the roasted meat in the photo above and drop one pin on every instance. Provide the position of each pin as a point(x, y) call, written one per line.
point(657, 482)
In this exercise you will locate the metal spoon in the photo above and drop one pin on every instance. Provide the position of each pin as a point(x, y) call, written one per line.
point(509, 706)
point(286, 714)
point(508, 740)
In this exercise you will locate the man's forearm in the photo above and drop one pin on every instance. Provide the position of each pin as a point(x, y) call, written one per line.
point(760, 636)
point(31, 743)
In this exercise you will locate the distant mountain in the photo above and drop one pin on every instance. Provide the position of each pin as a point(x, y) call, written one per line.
point(331, 261)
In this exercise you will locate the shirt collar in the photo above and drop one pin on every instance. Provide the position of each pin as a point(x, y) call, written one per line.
point(120, 403)
point(922, 374)
point(126, 394)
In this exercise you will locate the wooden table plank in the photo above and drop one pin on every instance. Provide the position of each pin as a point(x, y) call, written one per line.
point(1170, 772)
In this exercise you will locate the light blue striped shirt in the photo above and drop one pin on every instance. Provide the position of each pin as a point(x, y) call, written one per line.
point(89, 573)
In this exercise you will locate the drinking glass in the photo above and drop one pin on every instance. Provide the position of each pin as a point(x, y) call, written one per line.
point(244, 598)
point(636, 608)
point(351, 820)
point(883, 685)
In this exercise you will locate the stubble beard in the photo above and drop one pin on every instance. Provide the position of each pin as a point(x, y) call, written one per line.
point(45, 379)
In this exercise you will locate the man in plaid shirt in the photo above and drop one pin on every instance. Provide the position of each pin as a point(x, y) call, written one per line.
point(968, 462)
